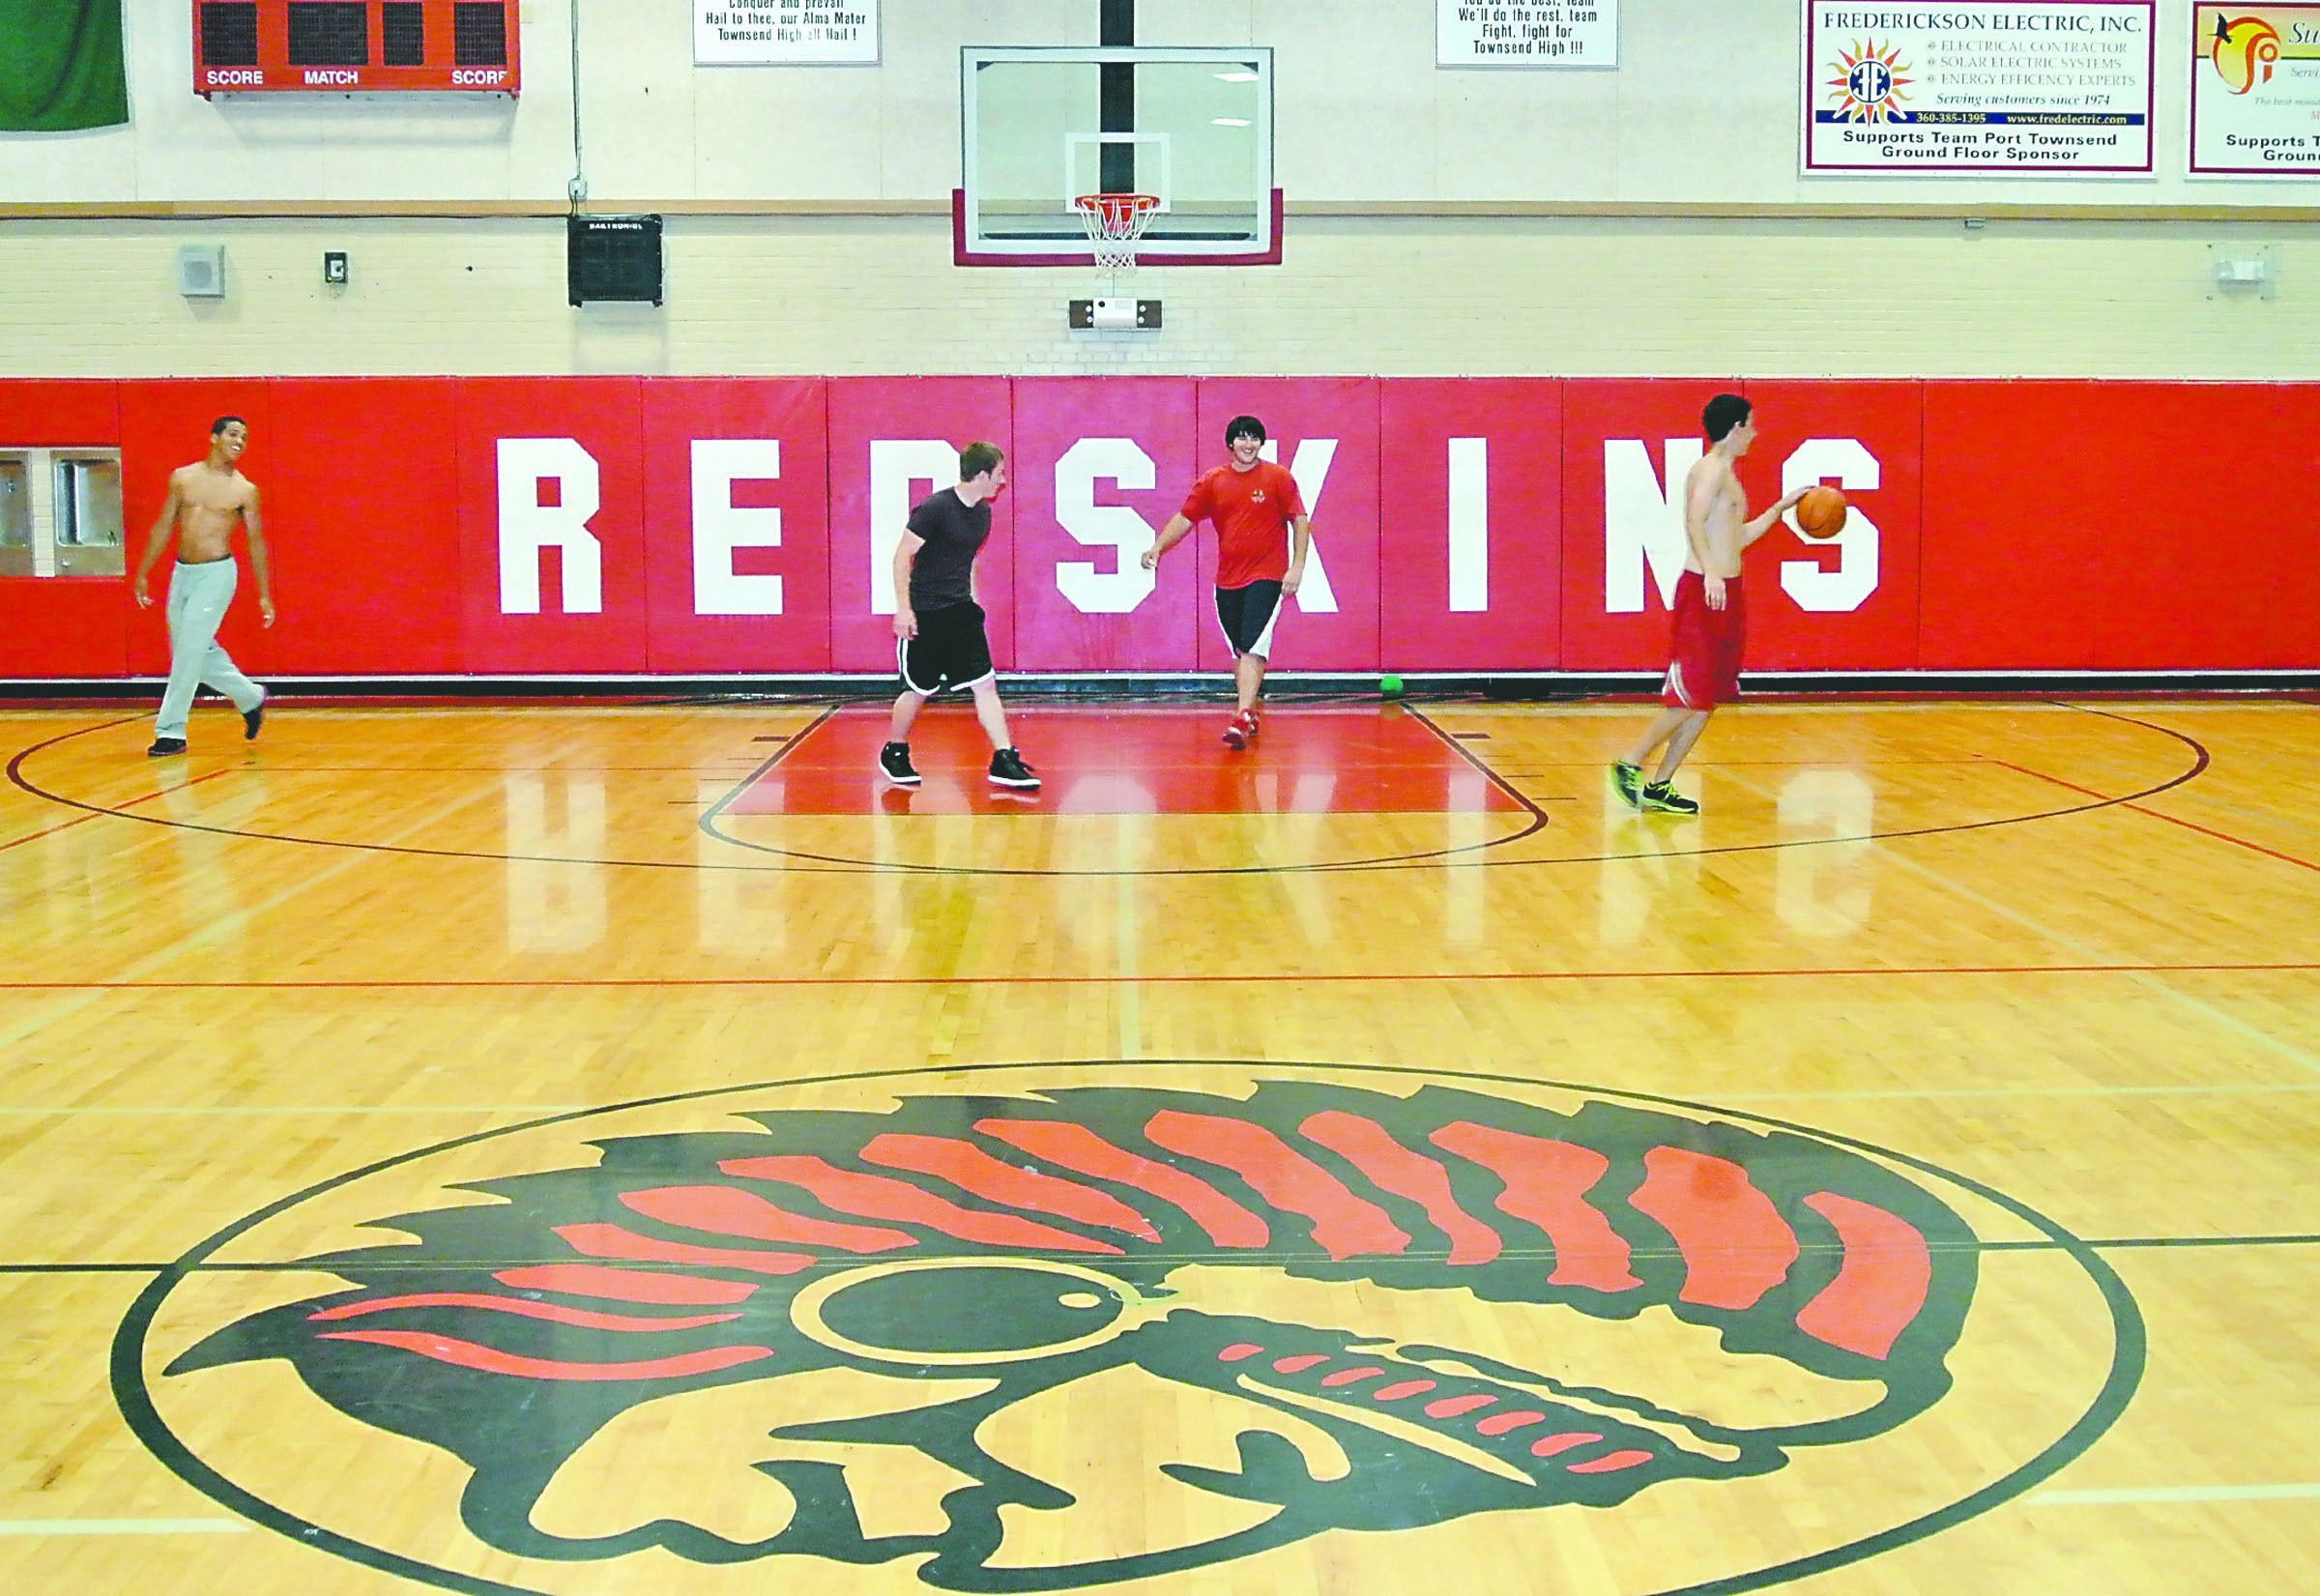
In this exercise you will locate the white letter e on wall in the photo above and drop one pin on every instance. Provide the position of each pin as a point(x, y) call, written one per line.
point(720, 526)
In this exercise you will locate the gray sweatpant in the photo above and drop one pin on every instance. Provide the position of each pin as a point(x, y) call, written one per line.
point(198, 595)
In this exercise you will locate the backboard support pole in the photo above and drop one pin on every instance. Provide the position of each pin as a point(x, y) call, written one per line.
point(1117, 100)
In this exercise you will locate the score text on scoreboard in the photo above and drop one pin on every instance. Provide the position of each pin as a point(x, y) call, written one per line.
point(307, 46)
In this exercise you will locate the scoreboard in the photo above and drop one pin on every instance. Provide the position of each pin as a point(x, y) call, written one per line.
point(273, 47)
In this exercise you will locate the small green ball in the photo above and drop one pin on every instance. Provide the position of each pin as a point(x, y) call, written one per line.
point(1390, 686)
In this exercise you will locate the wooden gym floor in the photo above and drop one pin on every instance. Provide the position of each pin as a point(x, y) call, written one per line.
point(631, 1149)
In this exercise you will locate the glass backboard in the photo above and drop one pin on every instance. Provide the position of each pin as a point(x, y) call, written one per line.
point(1193, 127)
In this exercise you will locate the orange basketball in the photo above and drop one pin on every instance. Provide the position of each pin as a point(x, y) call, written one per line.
point(1821, 512)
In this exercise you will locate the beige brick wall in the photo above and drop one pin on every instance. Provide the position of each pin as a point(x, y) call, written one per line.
point(1703, 107)
point(868, 295)
point(1701, 111)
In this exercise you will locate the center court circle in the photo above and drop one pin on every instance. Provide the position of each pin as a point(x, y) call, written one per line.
point(915, 1321)
point(1492, 853)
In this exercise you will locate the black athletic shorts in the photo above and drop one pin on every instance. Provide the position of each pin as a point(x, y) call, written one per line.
point(1247, 615)
point(950, 650)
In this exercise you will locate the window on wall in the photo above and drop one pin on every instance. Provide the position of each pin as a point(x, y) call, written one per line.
point(88, 515)
point(60, 512)
point(15, 518)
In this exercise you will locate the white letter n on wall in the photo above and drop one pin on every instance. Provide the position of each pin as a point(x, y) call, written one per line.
point(1642, 523)
point(527, 526)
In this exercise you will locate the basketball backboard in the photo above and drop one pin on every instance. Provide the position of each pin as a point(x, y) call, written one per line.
point(1040, 126)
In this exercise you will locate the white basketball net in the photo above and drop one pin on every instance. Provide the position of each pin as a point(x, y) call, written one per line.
point(1114, 224)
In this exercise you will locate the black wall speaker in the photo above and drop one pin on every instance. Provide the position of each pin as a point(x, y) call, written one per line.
point(612, 258)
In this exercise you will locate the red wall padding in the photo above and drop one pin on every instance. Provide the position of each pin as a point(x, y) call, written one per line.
point(1312, 418)
point(54, 627)
point(2120, 525)
point(1519, 427)
point(1090, 452)
point(704, 434)
point(1632, 416)
point(535, 445)
point(630, 526)
point(883, 433)
point(366, 553)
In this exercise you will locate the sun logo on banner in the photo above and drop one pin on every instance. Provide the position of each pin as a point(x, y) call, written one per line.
point(1869, 86)
point(2244, 52)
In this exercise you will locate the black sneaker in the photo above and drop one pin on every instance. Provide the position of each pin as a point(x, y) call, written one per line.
point(1662, 795)
point(1008, 769)
point(894, 763)
point(1627, 780)
point(252, 719)
point(163, 745)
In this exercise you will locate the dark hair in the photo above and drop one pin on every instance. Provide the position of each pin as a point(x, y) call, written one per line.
point(976, 458)
point(1241, 427)
point(1724, 412)
point(223, 423)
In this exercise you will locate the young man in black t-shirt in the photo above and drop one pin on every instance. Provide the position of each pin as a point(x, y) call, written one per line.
point(939, 626)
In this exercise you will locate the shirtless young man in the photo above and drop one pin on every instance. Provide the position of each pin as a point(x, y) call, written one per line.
point(1711, 612)
point(1263, 536)
point(206, 501)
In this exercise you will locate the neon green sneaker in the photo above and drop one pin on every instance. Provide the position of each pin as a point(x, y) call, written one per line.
point(1627, 780)
point(1663, 797)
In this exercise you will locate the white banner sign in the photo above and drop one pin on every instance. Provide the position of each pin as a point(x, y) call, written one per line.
point(1958, 89)
point(2255, 91)
point(784, 33)
point(1527, 32)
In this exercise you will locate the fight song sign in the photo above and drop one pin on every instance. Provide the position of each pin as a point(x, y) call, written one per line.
point(1527, 32)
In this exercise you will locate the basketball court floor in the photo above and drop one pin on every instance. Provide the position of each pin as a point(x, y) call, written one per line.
point(628, 1147)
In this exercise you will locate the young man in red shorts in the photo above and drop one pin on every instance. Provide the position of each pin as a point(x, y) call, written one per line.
point(1711, 612)
point(1257, 512)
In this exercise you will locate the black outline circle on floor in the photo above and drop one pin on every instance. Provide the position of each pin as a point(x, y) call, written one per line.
point(829, 864)
point(2128, 1342)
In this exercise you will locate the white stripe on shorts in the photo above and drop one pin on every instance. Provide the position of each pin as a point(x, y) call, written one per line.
point(1264, 639)
point(902, 668)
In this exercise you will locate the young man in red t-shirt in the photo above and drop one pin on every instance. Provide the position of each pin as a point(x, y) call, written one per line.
point(1257, 512)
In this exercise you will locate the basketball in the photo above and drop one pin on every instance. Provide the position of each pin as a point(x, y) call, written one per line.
point(1821, 512)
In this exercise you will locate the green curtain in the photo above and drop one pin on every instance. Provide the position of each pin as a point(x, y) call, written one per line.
point(60, 66)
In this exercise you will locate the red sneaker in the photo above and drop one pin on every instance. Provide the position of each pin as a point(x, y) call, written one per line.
point(1240, 729)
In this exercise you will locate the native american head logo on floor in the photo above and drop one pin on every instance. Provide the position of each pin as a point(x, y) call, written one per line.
point(978, 1333)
